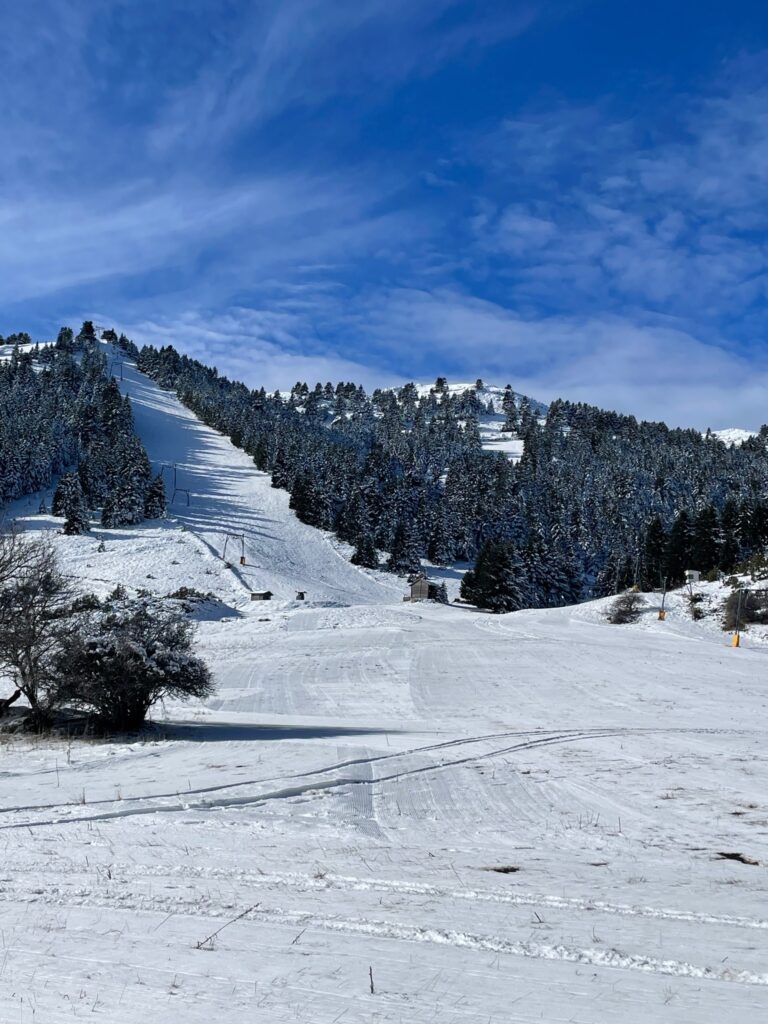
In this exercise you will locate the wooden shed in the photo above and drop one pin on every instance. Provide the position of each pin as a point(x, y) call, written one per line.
point(423, 589)
point(261, 595)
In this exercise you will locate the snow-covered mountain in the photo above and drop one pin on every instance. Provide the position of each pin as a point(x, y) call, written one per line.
point(485, 392)
point(733, 435)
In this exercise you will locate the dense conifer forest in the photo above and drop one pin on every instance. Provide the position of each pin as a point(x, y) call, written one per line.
point(62, 415)
point(598, 501)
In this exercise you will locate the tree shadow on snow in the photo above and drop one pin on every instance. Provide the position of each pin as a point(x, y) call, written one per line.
point(228, 732)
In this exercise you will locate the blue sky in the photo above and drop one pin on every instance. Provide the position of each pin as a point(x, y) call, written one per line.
point(571, 197)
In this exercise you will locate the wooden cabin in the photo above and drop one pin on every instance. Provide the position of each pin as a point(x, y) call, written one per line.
point(301, 595)
point(261, 595)
point(423, 589)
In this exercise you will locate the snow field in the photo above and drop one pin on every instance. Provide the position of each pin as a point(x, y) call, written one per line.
point(363, 770)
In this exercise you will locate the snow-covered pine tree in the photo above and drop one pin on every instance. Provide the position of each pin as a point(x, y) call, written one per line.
point(654, 555)
point(511, 416)
point(66, 489)
point(730, 550)
point(65, 340)
point(705, 540)
point(155, 504)
point(404, 556)
point(497, 582)
point(75, 508)
point(678, 553)
point(124, 504)
point(365, 553)
point(87, 333)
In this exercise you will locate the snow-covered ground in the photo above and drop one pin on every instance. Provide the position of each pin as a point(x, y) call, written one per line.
point(504, 819)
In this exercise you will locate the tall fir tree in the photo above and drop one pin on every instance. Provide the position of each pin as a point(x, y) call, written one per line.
point(74, 508)
point(678, 553)
point(497, 582)
point(404, 556)
point(654, 555)
point(365, 553)
point(155, 504)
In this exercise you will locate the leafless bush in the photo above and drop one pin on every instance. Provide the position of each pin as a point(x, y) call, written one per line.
point(626, 608)
point(35, 603)
point(754, 608)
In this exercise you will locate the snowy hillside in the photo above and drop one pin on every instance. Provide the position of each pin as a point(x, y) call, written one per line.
point(492, 434)
point(228, 497)
point(505, 819)
point(484, 393)
point(733, 435)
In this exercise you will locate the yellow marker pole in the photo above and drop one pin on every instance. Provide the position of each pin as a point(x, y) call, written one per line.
point(735, 639)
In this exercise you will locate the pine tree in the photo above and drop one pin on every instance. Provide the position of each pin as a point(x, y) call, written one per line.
point(310, 502)
point(678, 553)
point(498, 580)
point(511, 414)
point(75, 510)
point(87, 332)
point(729, 523)
point(65, 489)
point(124, 503)
point(65, 340)
point(154, 501)
point(404, 556)
point(281, 476)
point(705, 540)
point(654, 557)
point(440, 547)
point(365, 552)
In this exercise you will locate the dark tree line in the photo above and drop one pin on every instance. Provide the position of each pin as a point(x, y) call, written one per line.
point(60, 413)
point(597, 501)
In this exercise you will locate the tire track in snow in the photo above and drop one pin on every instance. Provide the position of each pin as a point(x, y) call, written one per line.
point(313, 786)
point(318, 784)
point(336, 766)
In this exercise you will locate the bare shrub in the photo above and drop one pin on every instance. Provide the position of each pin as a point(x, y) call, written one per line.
point(35, 618)
point(754, 609)
point(626, 608)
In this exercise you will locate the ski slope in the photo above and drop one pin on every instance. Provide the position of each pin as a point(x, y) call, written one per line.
point(503, 819)
point(228, 495)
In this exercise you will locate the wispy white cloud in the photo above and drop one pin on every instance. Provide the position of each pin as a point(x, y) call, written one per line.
point(260, 347)
point(591, 211)
point(652, 369)
point(247, 231)
point(305, 52)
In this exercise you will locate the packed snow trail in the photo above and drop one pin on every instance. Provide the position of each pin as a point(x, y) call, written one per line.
point(228, 495)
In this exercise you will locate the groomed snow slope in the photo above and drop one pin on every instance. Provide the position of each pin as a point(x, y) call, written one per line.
point(353, 790)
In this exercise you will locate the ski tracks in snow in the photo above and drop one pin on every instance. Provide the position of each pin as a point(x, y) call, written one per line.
point(317, 780)
point(612, 958)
